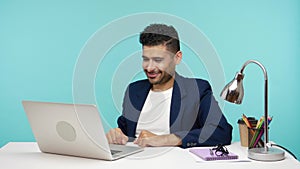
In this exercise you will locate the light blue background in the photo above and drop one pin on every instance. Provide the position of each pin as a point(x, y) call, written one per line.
point(40, 42)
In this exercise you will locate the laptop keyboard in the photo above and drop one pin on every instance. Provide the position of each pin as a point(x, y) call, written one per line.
point(114, 152)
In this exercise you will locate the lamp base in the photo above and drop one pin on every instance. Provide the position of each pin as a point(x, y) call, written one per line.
point(260, 154)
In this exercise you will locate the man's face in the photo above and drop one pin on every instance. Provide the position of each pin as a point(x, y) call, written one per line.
point(159, 64)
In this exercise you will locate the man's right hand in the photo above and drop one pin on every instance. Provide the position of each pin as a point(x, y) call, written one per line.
point(116, 136)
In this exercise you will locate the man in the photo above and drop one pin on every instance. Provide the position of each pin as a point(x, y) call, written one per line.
point(167, 109)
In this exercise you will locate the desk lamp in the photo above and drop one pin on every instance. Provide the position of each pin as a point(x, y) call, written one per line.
point(234, 92)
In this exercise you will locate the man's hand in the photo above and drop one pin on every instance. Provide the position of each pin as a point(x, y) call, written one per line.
point(116, 136)
point(146, 138)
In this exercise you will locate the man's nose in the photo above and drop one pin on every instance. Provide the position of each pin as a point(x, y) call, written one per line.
point(150, 66)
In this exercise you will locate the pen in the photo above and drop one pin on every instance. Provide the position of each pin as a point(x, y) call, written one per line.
point(211, 152)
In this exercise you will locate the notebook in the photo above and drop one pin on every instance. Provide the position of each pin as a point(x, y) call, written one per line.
point(72, 129)
point(209, 155)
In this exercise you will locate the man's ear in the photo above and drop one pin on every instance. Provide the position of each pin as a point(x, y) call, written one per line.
point(178, 57)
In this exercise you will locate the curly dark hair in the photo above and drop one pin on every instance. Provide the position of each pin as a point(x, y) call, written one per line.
point(160, 34)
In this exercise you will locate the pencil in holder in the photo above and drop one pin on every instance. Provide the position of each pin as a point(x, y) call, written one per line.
point(254, 136)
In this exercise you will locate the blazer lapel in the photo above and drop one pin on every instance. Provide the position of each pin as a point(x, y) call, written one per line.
point(179, 93)
point(137, 99)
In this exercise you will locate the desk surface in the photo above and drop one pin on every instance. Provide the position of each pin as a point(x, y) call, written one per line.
point(27, 155)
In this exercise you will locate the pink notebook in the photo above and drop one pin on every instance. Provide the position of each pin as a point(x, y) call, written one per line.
point(206, 155)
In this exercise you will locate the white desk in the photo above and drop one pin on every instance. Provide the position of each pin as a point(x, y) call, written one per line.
point(26, 155)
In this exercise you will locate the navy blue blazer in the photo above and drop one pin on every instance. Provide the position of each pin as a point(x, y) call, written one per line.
point(195, 116)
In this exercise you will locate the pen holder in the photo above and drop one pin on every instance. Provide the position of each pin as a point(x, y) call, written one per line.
point(246, 134)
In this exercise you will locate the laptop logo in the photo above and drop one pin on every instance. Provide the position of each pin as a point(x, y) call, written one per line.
point(66, 131)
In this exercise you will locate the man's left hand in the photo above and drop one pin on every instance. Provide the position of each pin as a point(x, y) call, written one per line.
point(147, 138)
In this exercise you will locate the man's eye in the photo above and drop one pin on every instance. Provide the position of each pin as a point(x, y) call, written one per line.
point(158, 60)
point(145, 59)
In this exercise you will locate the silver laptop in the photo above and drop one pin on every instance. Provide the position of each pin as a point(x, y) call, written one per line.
point(72, 129)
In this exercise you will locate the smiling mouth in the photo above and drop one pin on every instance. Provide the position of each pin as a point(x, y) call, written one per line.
point(152, 75)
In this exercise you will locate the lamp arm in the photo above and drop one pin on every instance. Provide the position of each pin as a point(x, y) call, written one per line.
point(266, 135)
point(259, 64)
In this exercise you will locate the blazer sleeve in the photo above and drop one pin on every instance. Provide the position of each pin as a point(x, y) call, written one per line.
point(210, 127)
point(123, 122)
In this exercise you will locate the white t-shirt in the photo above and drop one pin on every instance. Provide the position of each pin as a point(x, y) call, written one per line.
point(155, 114)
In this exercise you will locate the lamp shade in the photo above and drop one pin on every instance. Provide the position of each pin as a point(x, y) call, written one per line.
point(234, 90)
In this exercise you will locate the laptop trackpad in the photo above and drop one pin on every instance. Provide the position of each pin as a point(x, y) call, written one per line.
point(119, 151)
